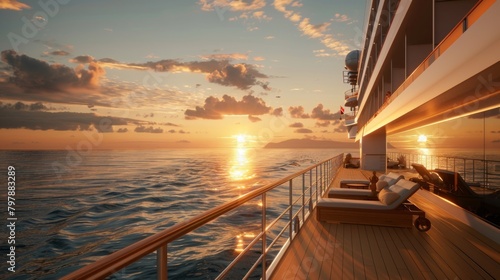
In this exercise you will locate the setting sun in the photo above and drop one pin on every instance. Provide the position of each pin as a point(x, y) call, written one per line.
point(241, 138)
point(422, 138)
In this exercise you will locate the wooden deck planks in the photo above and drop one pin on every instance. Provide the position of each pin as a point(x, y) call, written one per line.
point(450, 250)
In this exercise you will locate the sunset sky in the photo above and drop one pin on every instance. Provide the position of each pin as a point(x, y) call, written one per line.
point(147, 74)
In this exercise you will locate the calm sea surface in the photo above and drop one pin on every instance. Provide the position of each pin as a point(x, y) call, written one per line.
point(74, 208)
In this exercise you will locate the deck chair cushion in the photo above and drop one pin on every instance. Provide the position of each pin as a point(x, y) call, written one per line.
point(391, 178)
point(387, 196)
point(381, 185)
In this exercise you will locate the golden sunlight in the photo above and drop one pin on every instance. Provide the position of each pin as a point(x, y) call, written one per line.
point(240, 168)
point(240, 241)
point(241, 139)
point(422, 138)
point(244, 140)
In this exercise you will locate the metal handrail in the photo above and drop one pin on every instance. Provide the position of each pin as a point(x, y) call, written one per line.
point(324, 174)
point(351, 92)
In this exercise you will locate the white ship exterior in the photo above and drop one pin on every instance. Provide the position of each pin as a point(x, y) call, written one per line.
point(436, 60)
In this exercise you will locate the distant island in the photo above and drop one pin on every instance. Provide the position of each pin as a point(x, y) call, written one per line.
point(309, 143)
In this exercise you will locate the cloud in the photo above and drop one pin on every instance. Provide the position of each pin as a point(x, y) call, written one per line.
point(29, 79)
point(323, 124)
point(323, 114)
point(241, 75)
point(278, 112)
point(216, 108)
point(19, 106)
point(322, 53)
point(227, 56)
point(246, 5)
point(298, 112)
point(303, 130)
point(83, 59)
point(59, 52)
point(297, 125)
point(315, 31)
point(13, 5)
point(260, 15)
point(122, 130)
point(254, 119)
point(143, 129)
point(341, 18)
point(36, 74)
point(34, 117)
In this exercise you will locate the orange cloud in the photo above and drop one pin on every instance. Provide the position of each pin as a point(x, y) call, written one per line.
point(298, 112)
point(229, 56)
point(216, 108)
point(249, 5)
point(37, 74)
point(315, 31)
point(13, 5)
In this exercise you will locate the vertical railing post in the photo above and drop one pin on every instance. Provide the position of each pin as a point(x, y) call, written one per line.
point(310, 190)
point(290, 201)
point(322, 179)
point(486, 173)
point(473, 170)
point(316, 183)
point(303, 197)
point(161, 263)
point(264, 244)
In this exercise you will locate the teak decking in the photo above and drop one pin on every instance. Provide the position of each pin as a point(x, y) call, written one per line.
point(449, 250)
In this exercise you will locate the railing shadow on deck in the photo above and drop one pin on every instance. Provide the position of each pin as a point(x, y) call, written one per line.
point(293, 200)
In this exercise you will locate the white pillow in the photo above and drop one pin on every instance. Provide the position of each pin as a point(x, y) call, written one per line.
point(387, 197)
point(381, 184)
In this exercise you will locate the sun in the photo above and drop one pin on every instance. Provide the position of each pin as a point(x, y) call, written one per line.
point(422, 138)
point(241, 138)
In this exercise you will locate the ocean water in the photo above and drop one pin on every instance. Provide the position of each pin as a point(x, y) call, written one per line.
point(74, 208)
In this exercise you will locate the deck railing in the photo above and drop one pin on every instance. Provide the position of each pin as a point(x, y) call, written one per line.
point(304, 188)
point(485, 172)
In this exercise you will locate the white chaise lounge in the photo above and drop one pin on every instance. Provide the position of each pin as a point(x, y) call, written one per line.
point(390, 209)
point(384, 181)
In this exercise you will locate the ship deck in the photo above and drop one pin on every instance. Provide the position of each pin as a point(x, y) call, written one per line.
point(449, 250)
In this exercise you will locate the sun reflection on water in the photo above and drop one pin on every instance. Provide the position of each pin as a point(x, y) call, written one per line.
point(241, 239)
point(241, 167)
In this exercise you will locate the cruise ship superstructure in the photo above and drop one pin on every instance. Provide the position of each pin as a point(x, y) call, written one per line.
point(422, 62)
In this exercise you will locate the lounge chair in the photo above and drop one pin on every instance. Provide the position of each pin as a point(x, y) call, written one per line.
point(362, 191)
point(456, 189)
point(390, 178)
point(455, 183)
point(350, 162)
point(452, 186)
point(390, 209)
point(429, 179)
